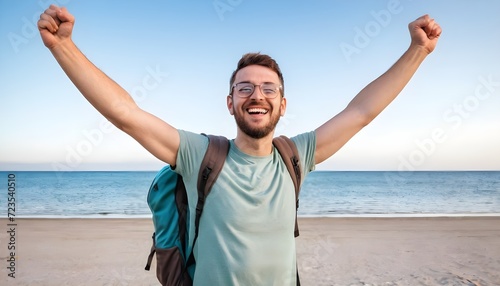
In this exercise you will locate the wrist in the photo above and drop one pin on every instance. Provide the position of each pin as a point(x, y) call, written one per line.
point(418, 51)
point(63, 48)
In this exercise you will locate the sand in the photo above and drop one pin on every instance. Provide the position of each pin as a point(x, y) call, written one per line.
point(331, 251)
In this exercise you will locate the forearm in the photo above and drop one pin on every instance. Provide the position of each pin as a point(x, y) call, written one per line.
point(377, 95)
point(102, 92)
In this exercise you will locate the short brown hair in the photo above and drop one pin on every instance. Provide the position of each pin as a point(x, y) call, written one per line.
point(261, 60)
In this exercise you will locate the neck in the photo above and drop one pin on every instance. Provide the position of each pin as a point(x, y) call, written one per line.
point(254, 147)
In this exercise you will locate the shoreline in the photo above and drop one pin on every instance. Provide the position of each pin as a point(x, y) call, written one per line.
point(149, 216)
point(330, 251)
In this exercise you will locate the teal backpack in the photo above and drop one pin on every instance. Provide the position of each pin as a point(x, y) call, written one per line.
point(168, 202)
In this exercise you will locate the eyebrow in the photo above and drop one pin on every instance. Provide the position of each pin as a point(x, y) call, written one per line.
point(247, 81)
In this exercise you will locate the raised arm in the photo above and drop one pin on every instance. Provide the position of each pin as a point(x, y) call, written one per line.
point(377, 95)
point(111, 100)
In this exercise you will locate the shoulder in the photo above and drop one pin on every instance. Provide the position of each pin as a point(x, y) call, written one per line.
point(191, 138)
point(305, 142)
point(192, 148)
point(306, 146)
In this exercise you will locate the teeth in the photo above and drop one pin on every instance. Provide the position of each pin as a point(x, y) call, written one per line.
point(257, 110)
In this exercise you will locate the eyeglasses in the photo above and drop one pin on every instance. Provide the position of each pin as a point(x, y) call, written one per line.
point(246, 89)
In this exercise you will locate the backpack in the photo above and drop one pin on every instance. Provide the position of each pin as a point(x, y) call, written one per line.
point(167, 200)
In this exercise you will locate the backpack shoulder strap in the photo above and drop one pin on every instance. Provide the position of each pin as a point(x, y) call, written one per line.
point(290, 155)
point(218, 147)
point(211, 165)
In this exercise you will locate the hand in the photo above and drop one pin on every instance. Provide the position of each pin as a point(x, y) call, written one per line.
point(424, 33)
point(55, 26)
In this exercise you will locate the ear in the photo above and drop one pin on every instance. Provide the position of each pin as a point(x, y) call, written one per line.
point(230, 106)
point(283, 106)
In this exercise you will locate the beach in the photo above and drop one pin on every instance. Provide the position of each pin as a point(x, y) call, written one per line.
point(330, 251)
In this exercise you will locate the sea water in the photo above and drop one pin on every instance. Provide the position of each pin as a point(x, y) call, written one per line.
point(323, 193)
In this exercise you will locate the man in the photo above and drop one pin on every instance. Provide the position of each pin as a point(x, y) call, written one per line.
point(246, 231)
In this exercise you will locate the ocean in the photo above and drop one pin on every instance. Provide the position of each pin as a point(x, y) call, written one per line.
point(323, 193)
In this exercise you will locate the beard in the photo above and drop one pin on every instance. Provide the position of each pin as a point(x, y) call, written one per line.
point(257, 132)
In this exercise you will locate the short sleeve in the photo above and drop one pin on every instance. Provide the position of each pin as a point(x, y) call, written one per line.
point(306, 145)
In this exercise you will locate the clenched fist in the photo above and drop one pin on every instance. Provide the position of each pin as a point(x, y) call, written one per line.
point(55, 26)
point(424, 33)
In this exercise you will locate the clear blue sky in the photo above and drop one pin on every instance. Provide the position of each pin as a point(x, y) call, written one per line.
point(175, 58)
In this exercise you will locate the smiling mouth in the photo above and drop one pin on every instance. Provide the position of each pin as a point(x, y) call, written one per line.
point(257, 111)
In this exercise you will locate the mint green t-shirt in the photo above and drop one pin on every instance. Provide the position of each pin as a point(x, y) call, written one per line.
point(247, 226)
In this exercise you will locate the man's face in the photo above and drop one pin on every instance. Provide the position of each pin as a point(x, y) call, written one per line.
point(256, 115)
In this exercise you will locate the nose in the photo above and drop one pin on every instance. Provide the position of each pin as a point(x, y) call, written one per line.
point(257, 93)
